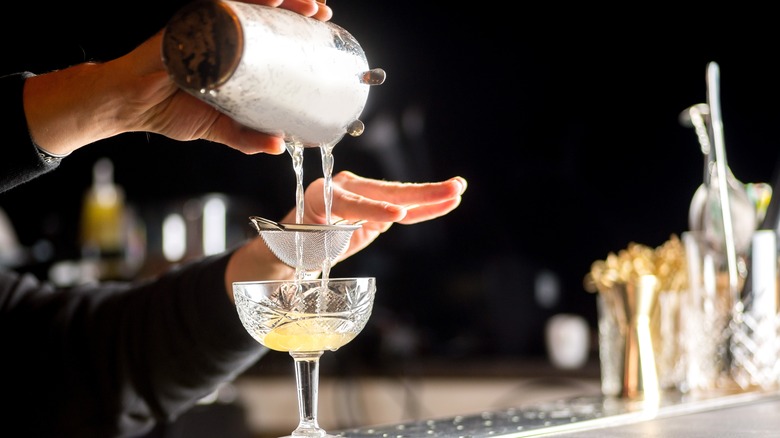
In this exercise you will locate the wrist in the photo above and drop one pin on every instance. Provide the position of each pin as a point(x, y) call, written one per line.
point(255, 262)
point(49, 157)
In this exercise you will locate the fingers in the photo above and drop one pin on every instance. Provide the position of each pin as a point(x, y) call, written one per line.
point(354, 207)
point(401, 193)
point(271, 3)
point(249, 141)
point(427, 212)
point(308, 8)
point(324, 12)
point(356, 198)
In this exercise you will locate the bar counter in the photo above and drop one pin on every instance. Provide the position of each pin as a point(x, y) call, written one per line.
point(748, 414)
point(503, 399)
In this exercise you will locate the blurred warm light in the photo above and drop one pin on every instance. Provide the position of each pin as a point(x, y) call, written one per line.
point(174, 237)
point(214, 225)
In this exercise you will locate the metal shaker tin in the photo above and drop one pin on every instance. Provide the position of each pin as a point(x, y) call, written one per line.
point(271, 69)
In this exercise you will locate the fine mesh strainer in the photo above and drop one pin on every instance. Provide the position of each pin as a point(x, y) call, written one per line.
point(318, 242)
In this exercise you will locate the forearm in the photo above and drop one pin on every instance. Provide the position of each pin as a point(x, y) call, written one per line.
point(117, 356)
point(70, 108)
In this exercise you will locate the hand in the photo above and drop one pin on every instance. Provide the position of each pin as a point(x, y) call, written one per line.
point(178, 115)
point(71, 108)
point(379, 203)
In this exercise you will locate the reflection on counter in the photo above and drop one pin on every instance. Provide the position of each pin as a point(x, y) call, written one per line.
point(354, 395)
point(565, 415)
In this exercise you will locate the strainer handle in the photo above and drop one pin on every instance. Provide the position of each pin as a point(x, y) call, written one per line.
point(261, 223)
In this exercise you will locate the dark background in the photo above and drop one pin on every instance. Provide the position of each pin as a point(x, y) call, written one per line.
point(565, 124)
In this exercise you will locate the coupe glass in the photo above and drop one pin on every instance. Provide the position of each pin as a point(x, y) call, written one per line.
point(305, 318)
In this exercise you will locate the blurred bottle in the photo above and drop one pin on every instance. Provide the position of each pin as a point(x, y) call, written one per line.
point(103, 226)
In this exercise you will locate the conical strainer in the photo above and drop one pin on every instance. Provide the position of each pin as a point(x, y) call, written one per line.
point(317, 242)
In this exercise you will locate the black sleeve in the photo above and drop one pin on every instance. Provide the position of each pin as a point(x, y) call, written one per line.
point(109, 360)
point(21, 160)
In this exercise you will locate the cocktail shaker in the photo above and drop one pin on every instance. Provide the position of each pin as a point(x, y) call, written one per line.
point(271, 69)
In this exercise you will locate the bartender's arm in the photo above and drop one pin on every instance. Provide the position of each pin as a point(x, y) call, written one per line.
point(73, 107)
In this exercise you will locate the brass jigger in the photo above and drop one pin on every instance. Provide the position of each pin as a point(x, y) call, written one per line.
point(634, 303)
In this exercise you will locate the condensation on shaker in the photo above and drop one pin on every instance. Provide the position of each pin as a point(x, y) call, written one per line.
point(271, 69)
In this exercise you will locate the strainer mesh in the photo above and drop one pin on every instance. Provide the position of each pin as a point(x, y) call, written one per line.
point(317, 246)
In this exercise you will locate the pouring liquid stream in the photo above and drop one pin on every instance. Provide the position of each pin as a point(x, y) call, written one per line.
point(296, 151)
point(326, 151)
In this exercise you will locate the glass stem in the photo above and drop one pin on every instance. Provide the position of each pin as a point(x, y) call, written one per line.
point(307, 377)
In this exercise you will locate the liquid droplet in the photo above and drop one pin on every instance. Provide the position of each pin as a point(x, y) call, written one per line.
point(373, 77)
point(356, 128)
